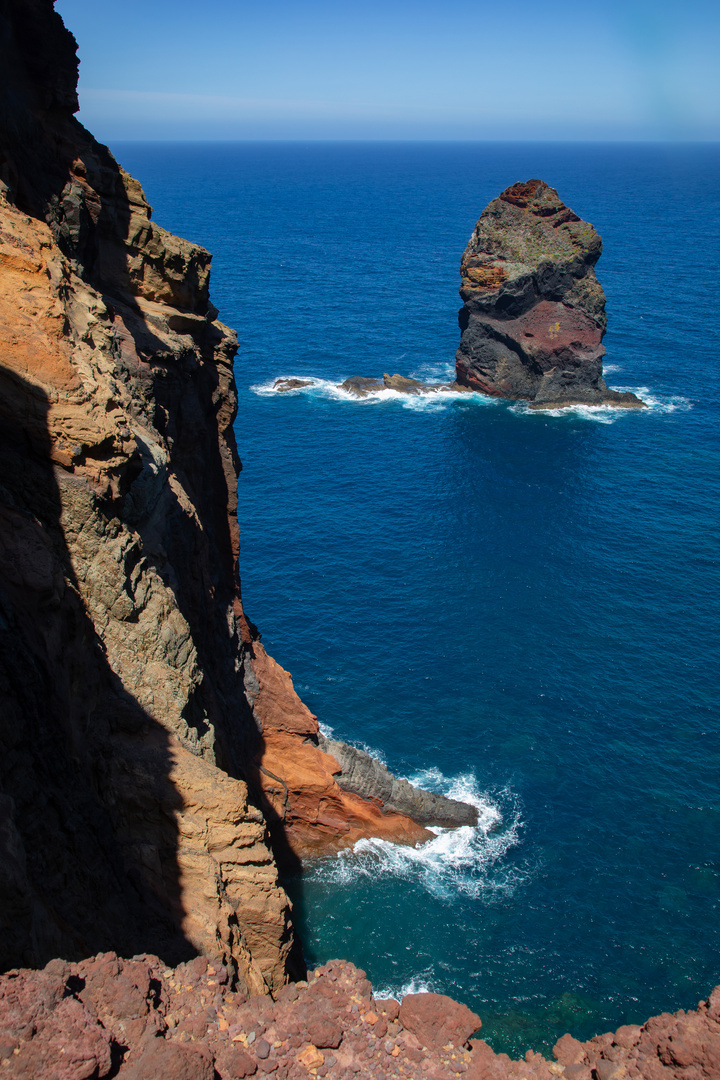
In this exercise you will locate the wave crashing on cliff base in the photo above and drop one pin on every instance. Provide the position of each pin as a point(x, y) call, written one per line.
point(466, 860)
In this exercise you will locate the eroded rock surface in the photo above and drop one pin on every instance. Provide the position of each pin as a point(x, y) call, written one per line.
point(534, 313)
point(140, 1020)
point(284, 385)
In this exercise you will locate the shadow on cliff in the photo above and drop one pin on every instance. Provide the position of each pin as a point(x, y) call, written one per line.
point(83, 808)
point(87, 837)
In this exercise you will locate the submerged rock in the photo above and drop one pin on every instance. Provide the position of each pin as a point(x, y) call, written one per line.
point(534, 313)
point(283, 385)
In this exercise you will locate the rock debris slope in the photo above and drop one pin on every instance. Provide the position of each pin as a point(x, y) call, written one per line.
point(534, 313)
point(155, 759)
point(140, 1020)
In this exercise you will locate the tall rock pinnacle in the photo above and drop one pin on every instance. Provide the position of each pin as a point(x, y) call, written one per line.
point(534, 313)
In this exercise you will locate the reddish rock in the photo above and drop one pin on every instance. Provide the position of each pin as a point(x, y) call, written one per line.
point(388, 1007)
point(119, 993)
point(568, 1051)
point(161, 1059)
point(67, 1044)
point(577, 1072)
point(324, 1034)
point(41, 1012)
point(436, 1019)
point(234, 1064)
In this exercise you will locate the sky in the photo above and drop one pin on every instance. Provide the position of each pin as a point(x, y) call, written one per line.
point(398, 69)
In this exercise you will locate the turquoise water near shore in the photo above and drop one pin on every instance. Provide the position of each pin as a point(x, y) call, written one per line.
point(521, 608)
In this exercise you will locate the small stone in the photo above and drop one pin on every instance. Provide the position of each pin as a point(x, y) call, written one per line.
point(234, 1064)
point(310, 1056)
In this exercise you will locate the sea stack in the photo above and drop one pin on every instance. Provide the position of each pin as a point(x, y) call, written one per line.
point(533, 317)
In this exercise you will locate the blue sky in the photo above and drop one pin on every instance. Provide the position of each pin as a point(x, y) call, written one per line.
point(395, 69)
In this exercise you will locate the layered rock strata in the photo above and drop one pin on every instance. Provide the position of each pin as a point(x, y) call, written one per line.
point(140, 1020)
point(147, 737)
point(533, 317)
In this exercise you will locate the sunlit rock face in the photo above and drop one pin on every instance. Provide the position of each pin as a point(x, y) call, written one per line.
point(125, 818)
point(533, 317)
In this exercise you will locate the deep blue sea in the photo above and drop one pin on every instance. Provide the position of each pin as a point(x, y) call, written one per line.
point(518, 607)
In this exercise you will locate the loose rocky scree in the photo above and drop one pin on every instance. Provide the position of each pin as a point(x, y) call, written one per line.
point(140, 1020)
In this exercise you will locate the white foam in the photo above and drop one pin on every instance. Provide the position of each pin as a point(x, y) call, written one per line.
point(428, 399)
point(468, 859)
point(608, 414)
point(442, 399)
point(419, 984)
point(601, 414)
point(661, 403)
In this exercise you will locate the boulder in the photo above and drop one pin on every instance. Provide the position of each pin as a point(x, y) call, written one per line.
point(437, 1020)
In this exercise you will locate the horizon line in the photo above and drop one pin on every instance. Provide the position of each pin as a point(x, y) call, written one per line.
point(624, 141)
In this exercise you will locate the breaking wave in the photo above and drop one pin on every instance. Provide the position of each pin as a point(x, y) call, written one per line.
point(469, 860)
point(608, 414)
point(429, 399)
point(439, 399)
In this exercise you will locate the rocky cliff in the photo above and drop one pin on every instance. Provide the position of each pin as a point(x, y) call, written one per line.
point(533, 317)
point(156, 762)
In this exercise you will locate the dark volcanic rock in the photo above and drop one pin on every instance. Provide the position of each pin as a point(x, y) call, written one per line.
point(366, 776)
point(360, 386)
point(534, 313)
point(283, 385)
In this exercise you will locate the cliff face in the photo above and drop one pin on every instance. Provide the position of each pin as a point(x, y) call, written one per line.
point(534, 313)
point(120, 616)
point(147, 737)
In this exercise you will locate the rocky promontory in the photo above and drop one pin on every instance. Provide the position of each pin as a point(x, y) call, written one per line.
point(366, 776)
point(533, 317)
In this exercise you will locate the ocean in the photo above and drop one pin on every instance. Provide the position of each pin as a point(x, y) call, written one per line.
point(518, 608)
